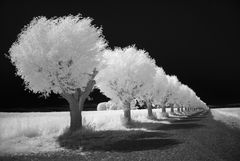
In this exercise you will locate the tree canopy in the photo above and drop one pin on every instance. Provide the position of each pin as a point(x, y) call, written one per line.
point(127, 73)
point(58, 54)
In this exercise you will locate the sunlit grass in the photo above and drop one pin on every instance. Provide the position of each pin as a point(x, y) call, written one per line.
point(38, 131)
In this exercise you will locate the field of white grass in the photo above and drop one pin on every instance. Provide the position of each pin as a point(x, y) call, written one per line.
point(229, 116)
point(38, 131)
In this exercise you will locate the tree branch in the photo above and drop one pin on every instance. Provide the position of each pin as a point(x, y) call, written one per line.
point(67, 96)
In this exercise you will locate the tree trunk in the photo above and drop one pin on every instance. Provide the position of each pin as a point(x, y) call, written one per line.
point(126, 113)
point(172, 110)
point(178, 109)
point(76, 102)
point(149, 108)
point(163, 109)
point(181, 109)
point(75, 115)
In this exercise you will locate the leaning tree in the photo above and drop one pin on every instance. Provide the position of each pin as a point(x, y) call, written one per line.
point(61, 56)
point(125, 75)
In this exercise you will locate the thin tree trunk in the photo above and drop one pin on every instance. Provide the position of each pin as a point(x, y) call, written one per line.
point(126, 113)
point(163, 109)
point(178, 109)
point(163, 114)
point(149, 108)
point(172, 110)
point(150, 113)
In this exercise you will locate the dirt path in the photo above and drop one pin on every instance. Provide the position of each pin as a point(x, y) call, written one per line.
point(198, 138)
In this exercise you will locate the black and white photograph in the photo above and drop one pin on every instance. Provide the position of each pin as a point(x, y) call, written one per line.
point(120, 80)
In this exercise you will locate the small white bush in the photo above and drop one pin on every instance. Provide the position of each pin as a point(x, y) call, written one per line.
point(110, 105)
point(102, 106)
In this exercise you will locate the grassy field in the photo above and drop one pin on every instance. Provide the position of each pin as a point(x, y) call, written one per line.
point(37, 131)
point(196, 138)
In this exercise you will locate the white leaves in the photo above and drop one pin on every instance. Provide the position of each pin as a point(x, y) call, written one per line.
point(126, 73)
point(57, 54)
point(159, 86)
point(60, 54)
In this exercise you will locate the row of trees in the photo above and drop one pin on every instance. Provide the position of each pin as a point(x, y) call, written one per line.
point(69, 56)
point(127, 74)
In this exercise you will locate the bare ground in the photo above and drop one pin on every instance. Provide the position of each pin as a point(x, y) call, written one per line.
point(197, 138)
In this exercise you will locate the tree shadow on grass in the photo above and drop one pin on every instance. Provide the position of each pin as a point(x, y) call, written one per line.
point(190, 118)
point(129, 140)
point(174, 124)
point(185, 120)
point(119, 140)
point(142, 144)
point(198, 117)
point(166, 119)
point(200, 114)
point(179, 126)
point(171, 118)
point(184, 123)
point(137, 125)
point(178, 115)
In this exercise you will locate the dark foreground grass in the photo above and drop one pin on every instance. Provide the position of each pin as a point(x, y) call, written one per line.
point(116, 140)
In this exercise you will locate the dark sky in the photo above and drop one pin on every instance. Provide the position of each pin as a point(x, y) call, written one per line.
point(198, 42)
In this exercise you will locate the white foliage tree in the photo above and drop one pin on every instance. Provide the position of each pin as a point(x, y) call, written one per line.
point(191, 99)
point(160, 86)
point(194, 102)
point(183, 93)
point(170, 94)
point(155, 93)
point(59, 55)
point(125, 75)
